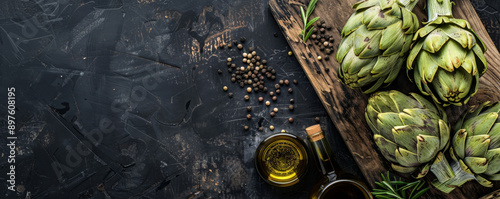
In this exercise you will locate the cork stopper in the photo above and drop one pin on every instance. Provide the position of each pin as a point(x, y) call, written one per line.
point(314, 132)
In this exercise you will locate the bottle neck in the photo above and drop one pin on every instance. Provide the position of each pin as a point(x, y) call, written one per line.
point(323, 154)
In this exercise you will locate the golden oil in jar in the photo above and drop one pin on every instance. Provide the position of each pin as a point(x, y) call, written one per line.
point(281, 159)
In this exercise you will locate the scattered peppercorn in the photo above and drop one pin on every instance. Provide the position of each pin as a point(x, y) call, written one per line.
point(275, 110)
point(292, 101)
point(277, 86)
point(291, 107)
point(272, 114)
point(249, 89)
point(224, 88)
point(243, 39)
point(230, 95)
point(278, 91)
point(275, 98)
point(317, 119)
point(246, 97)
point(250, 49)
point(290, 120)
point(295, 81)
point(221, 46)
point(280, 82)
point(249, 108)
point(239, 46)
point(233, 79)
point(290, 53)
point(290, 90)
point(249, 116)
point(268, 103)
point(261, 128)
point(283, 131)
point(271, 128)
point(287, 82)
point(319, 58)
point(261, 99)
point(327, 57)
point(219, 71)
point(271, 93)
point(229, 60)
point(229, 45)
point(246, 128)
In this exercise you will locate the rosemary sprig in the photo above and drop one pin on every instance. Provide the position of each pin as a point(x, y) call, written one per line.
point(308, 25)
point(395, 189)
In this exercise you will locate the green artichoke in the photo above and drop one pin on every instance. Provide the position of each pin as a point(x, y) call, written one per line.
point(375, 42)
point(476, 144)
point(447, 57)
point(409, 130)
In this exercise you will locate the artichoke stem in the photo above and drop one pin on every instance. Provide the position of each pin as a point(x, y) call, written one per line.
point(438, 8)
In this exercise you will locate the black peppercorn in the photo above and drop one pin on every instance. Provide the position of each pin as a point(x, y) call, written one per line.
point(243, 39)
point(221, 46)
point(328, 51)
point(250, 49)
point(277, 86)
point(239, 46)
point(317, 119)
point(291, 107)
point(249, 116)
point(264, 61)
point(233, 79)
point(292, 101)
point(295, 81)
point(286, 82)
point(322, 30)
point(229, 70)
point(271, 93)
point(230, 95)
point(290, 90)
point(272, 114)
point(315, 30)
point(233, 65)
point(327, 57)
point(219, 71)
point(278, 91)
point(265, 89)
point(246, 97)
point(273, 77)
point(246, 128)
point(321, 48)
point(290, 120)
point(261, 99)
point(242, 84)
point(261, 128)
point(229, 45)
point(275, 98)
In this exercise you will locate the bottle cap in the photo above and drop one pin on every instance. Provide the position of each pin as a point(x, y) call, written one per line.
point(314, 132)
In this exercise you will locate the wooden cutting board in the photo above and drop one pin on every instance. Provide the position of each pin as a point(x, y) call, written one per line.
point(346, 106)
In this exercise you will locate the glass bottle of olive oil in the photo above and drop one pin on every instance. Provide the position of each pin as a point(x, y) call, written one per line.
point(281, 159)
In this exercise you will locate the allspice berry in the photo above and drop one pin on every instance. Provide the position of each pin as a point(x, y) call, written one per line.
point(281, 82)
point(290, 90)
point(249, 89)
point(224, 88)
point(239, 46)
point(246, 97)
point(275, 110)
point(291, 107)
point(290, 120)
point(275, 98)
point(261, 99)
point(287, 82)
point(268, 103)
point(271, 93)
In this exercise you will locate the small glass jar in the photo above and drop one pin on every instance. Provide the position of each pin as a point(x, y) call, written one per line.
point(281, 159)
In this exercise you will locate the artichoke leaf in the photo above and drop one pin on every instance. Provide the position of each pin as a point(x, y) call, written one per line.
point(370, 14)
point(458, 143)
point(402, 102)
point(406, 138)
point(482, 65)
point(444, 133)
point(465, 38)
point(495, 136)
point(407, 19)
point(477, 165)
point(392, 36)
point(381, 21)
point(423, 171)
point(427, 66)
point(450, 56)
point(484, 181)
point(434, 41)
point(358, 63)
point(413, 54)
point(384, 65)
point(352, 24)
point(495, 177)
point(427, 147)
point(406, 158)
point(424, 31)
point(386, 147)
point(362, 37)
point(344, 48)
point(406, 45)
point(386, 122)
point(365, 4)
point(424, 103)
point(477, 145)
point(394, 73)
point(375, 86)
point(493, 157)
point(386, 4)
point(403, 169)
point(481, 124)
point(469, 63)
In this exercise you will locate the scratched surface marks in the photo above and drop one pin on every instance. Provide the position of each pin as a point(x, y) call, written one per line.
point(121, 99)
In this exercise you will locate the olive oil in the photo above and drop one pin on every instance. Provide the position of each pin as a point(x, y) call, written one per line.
point(281, 159)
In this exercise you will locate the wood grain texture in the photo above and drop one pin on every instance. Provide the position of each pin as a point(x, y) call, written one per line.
point(346, 106)
point(492, 195)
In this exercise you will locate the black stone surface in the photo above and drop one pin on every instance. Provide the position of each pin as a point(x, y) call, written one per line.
point(122, 99)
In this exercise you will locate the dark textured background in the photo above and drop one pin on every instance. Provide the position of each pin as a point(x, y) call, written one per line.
point(140, 77)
